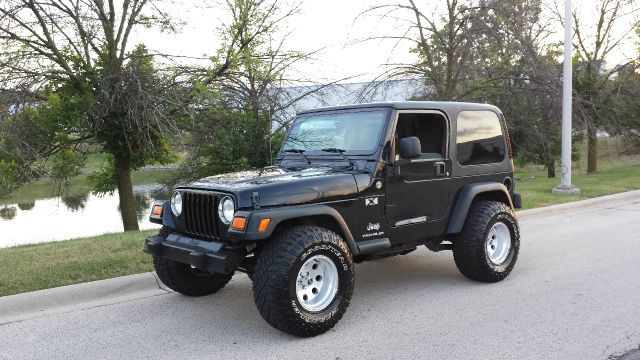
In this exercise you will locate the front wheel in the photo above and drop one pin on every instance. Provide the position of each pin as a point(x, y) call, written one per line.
point(186, 279)
point(487, 248)
point(303, 280)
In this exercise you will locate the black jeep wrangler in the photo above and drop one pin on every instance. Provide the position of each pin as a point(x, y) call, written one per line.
point(350, 184)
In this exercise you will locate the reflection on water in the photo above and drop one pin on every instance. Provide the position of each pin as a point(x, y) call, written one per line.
point(8, 212)
point(75, 202)
point(69, 217)
point(26, 206)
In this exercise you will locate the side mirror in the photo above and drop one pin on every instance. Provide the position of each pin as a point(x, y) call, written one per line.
point(410, 148)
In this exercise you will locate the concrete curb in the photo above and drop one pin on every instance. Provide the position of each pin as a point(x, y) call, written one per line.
point(577, 207)
point(80, 296)
point(126, 288)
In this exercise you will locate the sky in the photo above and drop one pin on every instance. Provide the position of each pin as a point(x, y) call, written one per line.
point(326, 26)
point(329, 26)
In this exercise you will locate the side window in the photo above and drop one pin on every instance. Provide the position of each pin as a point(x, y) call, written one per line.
point(431, 129)
point(479, 138)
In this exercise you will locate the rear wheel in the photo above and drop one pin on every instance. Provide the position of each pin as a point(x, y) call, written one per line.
point(487, 248)
point(303, 280)
point(186, 279)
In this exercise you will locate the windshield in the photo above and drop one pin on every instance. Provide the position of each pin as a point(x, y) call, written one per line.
point(351, 132)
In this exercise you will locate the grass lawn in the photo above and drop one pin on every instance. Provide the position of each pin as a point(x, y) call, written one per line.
point(42, 266)
point(613, 177)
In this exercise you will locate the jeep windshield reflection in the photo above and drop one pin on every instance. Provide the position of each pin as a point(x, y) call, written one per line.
point(347, 132)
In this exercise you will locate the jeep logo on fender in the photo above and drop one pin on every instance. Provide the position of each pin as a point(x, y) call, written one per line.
point(373, 227)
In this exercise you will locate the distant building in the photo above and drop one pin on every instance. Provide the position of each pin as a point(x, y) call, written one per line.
point(345, 94)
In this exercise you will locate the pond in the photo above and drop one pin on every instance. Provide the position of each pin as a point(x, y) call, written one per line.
point(69, 217)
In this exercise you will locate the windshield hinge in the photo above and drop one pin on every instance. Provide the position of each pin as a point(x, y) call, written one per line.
point(255, 200)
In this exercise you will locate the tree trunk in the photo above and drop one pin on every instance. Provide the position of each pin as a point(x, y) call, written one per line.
point(125, 193)
point(551, 168)
point(592, 150)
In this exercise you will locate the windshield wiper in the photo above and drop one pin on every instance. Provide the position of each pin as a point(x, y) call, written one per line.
point(299, 151)
point(341, 152)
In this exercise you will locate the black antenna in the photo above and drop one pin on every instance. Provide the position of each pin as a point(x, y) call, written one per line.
point(270, 136)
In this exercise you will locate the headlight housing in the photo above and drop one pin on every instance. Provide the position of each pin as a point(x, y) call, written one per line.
point(176, 204)
point(226, 209)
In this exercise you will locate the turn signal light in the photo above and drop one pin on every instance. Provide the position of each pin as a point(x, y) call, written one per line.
point(157, 210)
point(238, 223)
point(264, 224)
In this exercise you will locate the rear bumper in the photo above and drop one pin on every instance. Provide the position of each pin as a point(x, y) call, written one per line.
point(212, 256)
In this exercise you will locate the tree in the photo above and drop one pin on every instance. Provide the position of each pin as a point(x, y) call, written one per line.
point(443, 44)
point(593, 76)
point(488, 51)
point(240, 118)
point(85, 87)
point(92, 87)
point(626, 86)
point(524, 78)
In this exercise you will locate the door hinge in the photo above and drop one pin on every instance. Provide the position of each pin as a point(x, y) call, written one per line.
point(255, 200)
point(393, 170)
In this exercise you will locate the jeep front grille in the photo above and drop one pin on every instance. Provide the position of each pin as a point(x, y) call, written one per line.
point(199, 214)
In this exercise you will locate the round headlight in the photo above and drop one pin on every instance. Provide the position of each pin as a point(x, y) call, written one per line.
point(226, 209)
point(176, 204)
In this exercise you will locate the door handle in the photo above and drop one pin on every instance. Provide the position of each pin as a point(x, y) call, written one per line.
point(440, 168)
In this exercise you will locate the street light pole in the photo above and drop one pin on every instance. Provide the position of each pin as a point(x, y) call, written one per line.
point(567, 88)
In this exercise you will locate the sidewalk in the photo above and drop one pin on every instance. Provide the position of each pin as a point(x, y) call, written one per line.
point(80, 296)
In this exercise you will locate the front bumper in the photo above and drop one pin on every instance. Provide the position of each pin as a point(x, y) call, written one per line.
point(212, 256)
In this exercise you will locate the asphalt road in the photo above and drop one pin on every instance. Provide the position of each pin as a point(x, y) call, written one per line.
point(574, 294)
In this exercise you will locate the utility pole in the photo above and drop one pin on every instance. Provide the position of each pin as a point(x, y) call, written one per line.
point(565, 186)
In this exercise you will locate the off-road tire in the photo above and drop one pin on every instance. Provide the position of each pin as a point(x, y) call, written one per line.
point(186, 280)
point(469, 247)
point(275, 275)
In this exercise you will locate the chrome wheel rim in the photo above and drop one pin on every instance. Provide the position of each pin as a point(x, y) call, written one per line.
point(498, 243)
point(317, 283)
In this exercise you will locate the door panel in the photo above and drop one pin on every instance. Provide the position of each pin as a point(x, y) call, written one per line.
point(418, 191)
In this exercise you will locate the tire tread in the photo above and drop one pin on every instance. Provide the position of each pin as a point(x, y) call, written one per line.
point(469, 249)
point(271, 278)
point(180, 278)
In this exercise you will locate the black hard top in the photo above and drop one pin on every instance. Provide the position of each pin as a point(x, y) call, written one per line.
point(447, 106)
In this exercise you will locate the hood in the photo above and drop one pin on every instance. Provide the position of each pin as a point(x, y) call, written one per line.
point(279, 186)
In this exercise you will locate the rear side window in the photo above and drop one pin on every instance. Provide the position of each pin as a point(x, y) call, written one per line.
point(479, 138)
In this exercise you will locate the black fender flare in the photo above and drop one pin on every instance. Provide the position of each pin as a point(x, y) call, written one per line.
point(278, 215)
point(464, 200)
